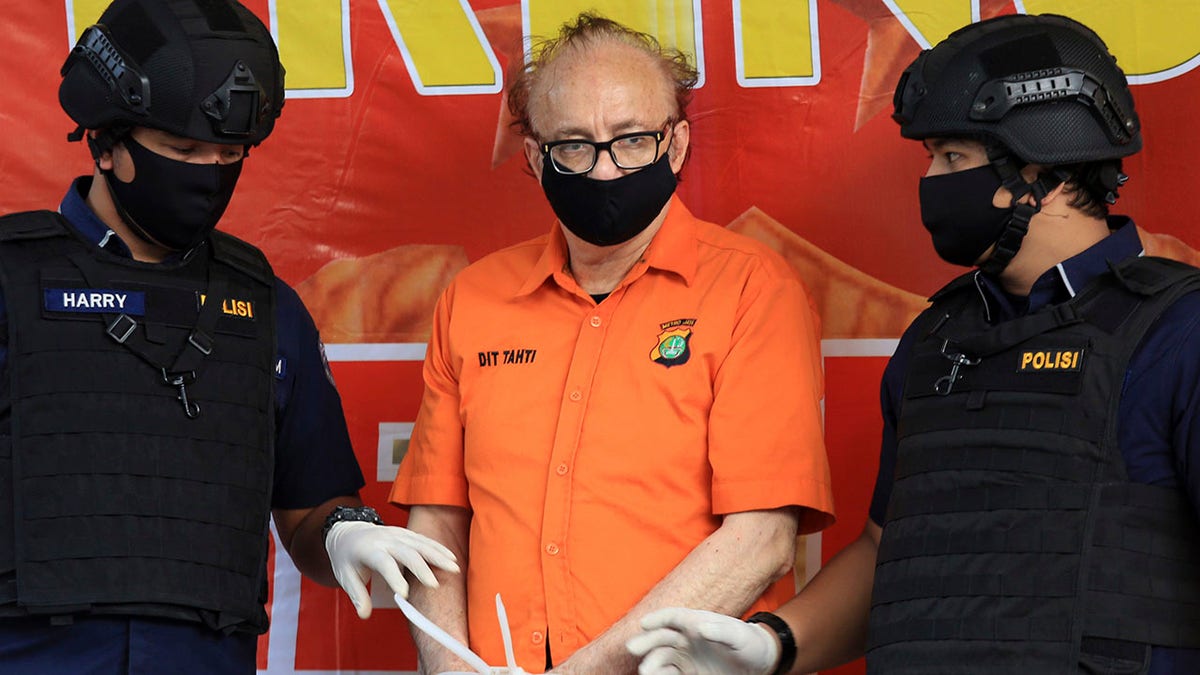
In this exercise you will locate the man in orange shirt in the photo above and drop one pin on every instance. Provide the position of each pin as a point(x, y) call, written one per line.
point(623, 414)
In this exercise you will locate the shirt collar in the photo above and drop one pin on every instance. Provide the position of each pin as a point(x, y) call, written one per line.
point(673, 249)
point(79, 215)
point(1063, 281)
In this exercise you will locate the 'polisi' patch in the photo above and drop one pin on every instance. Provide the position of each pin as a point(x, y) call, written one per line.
point(94, 301)
point(242, 309)
point(1049, 360)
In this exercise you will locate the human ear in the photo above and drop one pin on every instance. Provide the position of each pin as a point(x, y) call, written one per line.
point(533, 155)
point(1059, 191)
point(104, 161)
point(681, 134)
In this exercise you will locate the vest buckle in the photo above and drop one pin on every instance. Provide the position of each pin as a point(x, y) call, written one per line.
point(121, 328)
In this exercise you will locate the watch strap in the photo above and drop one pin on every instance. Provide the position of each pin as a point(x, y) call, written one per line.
point(342, 514)
point(787, 641)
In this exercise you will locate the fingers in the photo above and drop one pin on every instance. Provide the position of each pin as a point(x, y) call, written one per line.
point(666, 661)
point(646, 641)
point(416, 553)
point(696, 624)
point(356, 549)
point(384, 564)
point(726, 633)
point(356, 590)
point(663, 651)
point(677, 618)
point(432, 551)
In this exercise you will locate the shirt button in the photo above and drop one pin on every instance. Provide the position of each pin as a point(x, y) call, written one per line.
point(537, 637)
point(596, 322)
point(552, 549)
point(575, 395)
point(561, 470)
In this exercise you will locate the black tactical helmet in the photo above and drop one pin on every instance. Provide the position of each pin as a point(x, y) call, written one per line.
point(201, 69)
point(1045, 87)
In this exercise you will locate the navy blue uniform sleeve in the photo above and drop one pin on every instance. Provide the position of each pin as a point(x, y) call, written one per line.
point(314, 461)
point(891, 392)
point(1159, 422)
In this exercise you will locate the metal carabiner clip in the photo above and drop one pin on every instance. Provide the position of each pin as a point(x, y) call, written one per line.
point(182, 379)
point(945, 384)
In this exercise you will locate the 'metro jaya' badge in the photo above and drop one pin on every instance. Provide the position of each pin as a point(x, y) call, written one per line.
point(672, 348)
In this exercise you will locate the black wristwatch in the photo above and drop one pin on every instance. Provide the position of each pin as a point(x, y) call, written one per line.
point(787, 641)
point(341, 514)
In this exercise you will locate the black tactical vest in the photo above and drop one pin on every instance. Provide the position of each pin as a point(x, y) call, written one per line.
point(136, 429)
point(1013, 537)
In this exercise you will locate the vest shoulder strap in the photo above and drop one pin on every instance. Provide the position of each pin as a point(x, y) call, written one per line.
point(31, 225)
point(1150, 275)
point(957, 285)
point(241, 256)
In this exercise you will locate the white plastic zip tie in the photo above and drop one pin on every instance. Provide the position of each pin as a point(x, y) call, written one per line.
point(442, 637)
point(506, 635)
point(459, 649)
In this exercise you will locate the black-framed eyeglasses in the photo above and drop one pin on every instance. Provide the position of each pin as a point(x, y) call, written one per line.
point(635, 150)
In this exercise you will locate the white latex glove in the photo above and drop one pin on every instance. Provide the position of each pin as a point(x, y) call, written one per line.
point(495, 669)
point(695, 642)
point(357, 548)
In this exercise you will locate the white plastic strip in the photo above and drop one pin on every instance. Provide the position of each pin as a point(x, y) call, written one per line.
point(442, 637)
point(506, 634)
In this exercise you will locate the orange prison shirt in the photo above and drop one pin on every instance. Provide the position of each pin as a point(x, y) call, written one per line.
point(597, 445)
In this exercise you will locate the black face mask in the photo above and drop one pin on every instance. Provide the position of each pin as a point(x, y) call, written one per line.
point(957, 210)
point(171, 203)
point(609, 212)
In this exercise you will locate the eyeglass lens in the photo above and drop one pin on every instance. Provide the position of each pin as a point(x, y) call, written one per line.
point(630, 152)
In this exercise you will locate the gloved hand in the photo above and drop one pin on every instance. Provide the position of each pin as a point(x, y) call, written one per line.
point(358, 548)
point(695, 642)
point(495, 669)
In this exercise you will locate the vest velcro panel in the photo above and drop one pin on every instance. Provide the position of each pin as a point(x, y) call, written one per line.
point(120, 499)
point(1013, 536)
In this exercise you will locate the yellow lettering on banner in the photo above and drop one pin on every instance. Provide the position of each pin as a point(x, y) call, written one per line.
point(776, 43)
point(81, 14)
point(1153, 40)
point(314, 45)
point(675, 23)
point(443, 46)
point(930, 21)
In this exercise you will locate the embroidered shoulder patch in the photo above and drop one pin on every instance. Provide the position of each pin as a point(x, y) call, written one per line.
point(1047, 360)
point(673, 348)
point(241, 309)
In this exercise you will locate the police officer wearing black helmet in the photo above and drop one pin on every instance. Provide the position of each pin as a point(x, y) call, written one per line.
point(163, 393)
point(1039, 485)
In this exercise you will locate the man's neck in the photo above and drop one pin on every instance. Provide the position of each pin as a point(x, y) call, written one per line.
point(1052, 239)
point(599, 269)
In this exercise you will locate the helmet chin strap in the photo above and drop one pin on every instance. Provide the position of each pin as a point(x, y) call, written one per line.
point(1009, 168)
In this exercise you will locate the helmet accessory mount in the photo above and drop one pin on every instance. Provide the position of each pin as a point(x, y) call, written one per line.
point(238, 106)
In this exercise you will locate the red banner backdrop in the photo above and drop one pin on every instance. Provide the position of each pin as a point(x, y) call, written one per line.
point(393, 166)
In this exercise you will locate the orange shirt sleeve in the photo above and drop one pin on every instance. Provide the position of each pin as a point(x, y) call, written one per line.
point(432, 470)
point(766, 442)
